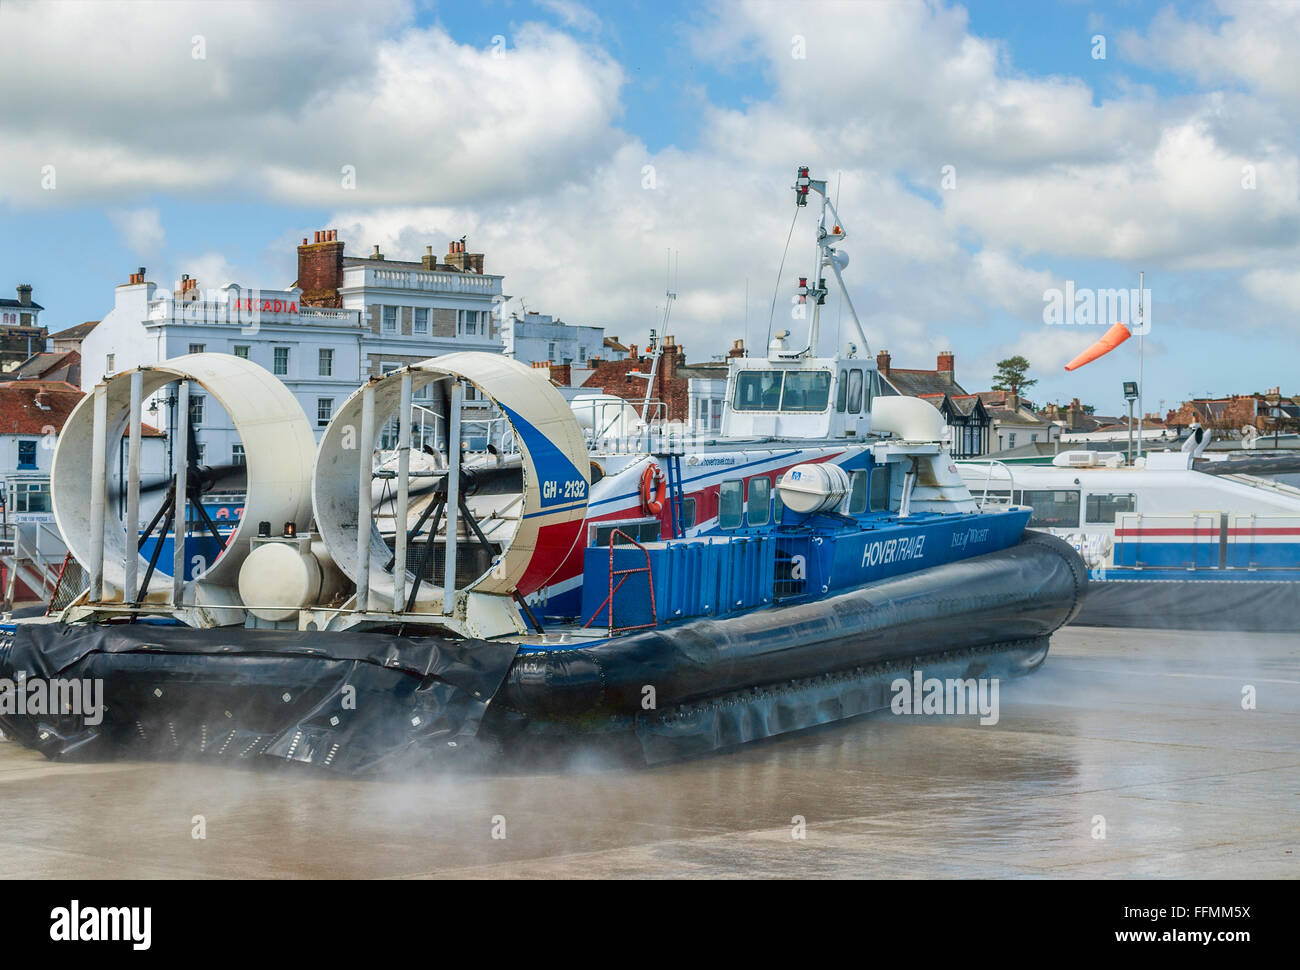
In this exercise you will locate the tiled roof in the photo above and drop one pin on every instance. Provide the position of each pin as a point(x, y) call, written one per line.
point(77, 332)
point(14, 304)
point(39, 365)
point(33, 407)
point(918, 382)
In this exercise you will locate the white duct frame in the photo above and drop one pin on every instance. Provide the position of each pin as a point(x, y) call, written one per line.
point(279, 449)
point(342, 496)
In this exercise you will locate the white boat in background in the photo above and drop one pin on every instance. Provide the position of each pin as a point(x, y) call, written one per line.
point(1171, 541)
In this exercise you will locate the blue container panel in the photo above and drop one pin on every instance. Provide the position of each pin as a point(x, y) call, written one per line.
point(690, 579)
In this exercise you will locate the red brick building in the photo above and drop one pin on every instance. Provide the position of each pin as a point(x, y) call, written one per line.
point(671, 387)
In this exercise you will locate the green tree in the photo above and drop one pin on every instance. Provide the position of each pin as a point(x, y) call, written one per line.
point(1011, 375)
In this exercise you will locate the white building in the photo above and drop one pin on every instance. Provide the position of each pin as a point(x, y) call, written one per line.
point(540, 338)
point(316, 352)
point(409, 311)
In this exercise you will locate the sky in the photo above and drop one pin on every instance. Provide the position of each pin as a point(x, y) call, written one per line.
point(983, 155)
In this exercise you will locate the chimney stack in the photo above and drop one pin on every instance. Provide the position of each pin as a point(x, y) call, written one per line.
point(428, 260)
point(947, 364)
point(376, 254)
point(24, 294)
point(882, 363)
point(320, 269)
point(737, 349)
point(462, 261)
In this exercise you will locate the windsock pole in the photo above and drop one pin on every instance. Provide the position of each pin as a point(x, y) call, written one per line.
point(1141, 328)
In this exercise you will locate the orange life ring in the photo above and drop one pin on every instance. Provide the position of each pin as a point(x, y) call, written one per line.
point(653, 490)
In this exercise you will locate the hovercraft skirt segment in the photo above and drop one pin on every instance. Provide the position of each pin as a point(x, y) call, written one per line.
point(355, 703)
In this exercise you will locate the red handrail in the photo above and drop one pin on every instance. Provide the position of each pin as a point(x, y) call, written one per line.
point(624, 574)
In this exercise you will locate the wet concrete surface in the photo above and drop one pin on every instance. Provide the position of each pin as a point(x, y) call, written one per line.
point(1145, 729)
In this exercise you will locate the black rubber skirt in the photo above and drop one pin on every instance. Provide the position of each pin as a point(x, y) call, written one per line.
point(362, 702)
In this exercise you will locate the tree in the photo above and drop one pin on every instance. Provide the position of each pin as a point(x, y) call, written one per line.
point(1011, 375)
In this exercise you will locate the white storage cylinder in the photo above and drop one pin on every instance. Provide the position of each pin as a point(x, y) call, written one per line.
point(813, 488)
point(278, 579)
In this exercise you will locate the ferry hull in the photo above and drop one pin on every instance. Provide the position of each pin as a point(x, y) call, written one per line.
point(361, 703)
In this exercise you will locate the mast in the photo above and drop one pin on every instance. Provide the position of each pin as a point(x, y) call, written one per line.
point(828, 254)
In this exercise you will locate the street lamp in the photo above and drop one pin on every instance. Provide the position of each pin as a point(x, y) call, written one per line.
point(1130, 395)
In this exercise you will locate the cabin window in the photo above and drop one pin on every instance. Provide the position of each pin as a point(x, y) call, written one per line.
point(642, 530)
point(758, 391)
point(880, 488)
point(1104, 508)
point(842, 391)
point(855, 391)
point(778, 508)
point(687, 513)
point(1053, 509)
point(758, 508)
point(731, 504)
point(858, 493)
point(774, 390)
point(806, 390)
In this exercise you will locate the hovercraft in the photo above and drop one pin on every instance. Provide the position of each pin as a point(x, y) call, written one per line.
point(590, 574)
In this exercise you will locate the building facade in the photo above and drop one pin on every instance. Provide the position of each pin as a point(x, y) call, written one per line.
point(21, 333)
point(315, 351)
point(537, 338)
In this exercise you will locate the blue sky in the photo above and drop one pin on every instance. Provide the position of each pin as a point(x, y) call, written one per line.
point(1068, 167)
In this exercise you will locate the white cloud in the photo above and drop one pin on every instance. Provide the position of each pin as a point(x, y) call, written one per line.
point(141, 229)
point(1276, 286)
point(1256, 42)
point(286, 96)
point(573, 15)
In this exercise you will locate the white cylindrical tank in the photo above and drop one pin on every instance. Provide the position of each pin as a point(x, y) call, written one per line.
point(813, 488)
point(278, 579)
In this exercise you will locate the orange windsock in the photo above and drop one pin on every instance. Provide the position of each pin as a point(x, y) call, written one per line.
point(1113, 337)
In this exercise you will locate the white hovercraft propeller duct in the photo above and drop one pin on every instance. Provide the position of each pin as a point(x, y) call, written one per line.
point(278, 447)
point(555, 476)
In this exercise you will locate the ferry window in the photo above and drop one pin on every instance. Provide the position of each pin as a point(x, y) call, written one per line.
point(855, 391)
point(880, 488)
point(758, 391)
point(645, 531)
point(731, 504)
point(687, 513)
point(869, 390)
point(857, 493)
point(759, 506)
point(806, 391)
point(1052, 509)
point(841, 393)
point(778, 507)
point(1104, 508)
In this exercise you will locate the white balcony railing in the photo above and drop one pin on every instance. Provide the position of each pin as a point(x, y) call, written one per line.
point(433, 281)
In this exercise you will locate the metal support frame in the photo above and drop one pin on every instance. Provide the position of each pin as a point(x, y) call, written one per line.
point(180, 497)
point(98, 491)
point(453, 498)
point(403, 493)
point(365, 460)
